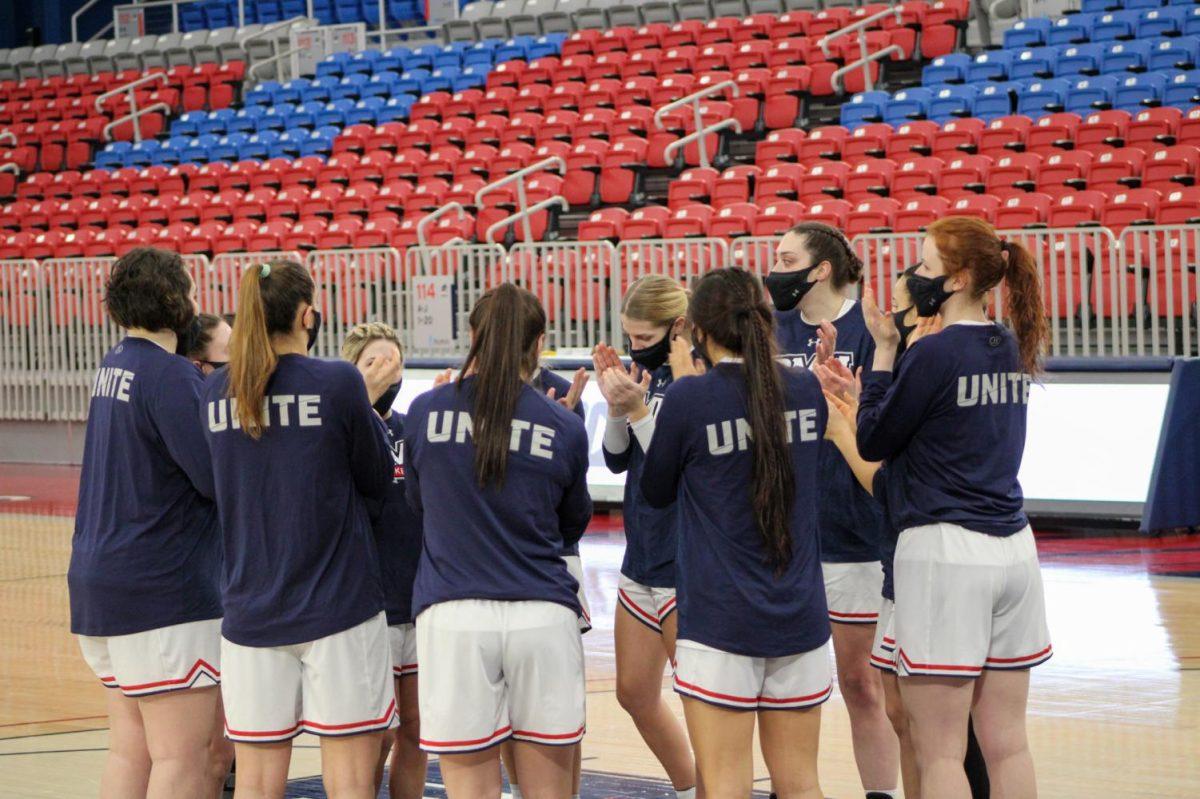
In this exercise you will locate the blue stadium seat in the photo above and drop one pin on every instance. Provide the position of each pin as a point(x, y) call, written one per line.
point(226, 148)
point(1074, 29)
point(1115, 25)
point(391, 60)
point(244, 121)
point(1179, 53)
point(441, 80)
point(550, 44)
point(257, 146)
point(473, 77)
point(1091, 94)
point(1145, 3)
point(323, 11)
point(266, 11)
point(170, 153)
point(995, 99)
point(361, 62)
point(1027, 33)
point(946, 69)
point(381, 85)
point(113, 156)
point(1182, 89)
point(405, 10)
point(350, 87)
point(1191, 23)
point(483, 52)
point(1161, 22)
point(191, 17)
point(863, 108)
point(1042, 97)
point(365, 112)
point(1139, 92)
point(293, 8)
point(992, 65)
point(217, 122)
point(450, 55)
point(304, 115)
point(277, 117)
point(319, 90)
point(189, 124)
point(334, 114)
point(290, 143)
point(907, 105)
point(396, 109)
point(1100, 6)
point(219, 15)
point(320, 143)
point(1036, 62)
point(1124, 56)
point(952, 102)
point(198, 149)
point(347, 11)
point(290, 92)
point(1080, 59)
point(411, 81)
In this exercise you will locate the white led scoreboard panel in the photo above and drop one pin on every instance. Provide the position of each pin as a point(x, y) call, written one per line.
point(1090, 446)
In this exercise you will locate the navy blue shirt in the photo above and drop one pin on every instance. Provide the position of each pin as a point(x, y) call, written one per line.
point(701, 458)
point(880, 486)
point(546, 380)
point(649, 531)
point(501, 543)
point(300, 562)
point(951, 425)
point(851, 522)
point(397, 533)
point(146, 551)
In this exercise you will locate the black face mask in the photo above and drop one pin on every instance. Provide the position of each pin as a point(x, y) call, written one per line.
point(788, 288)
point(216, 364)
point(383, 405)
point(928, 293)
point(187, 337)
point(314, 330)
point(652, 357)
point(905, 330)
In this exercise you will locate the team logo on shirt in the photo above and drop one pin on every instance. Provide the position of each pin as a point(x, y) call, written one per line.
point(397, 460)
point(806, 360)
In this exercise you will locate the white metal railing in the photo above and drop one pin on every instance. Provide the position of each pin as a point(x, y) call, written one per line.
point(525, 215)
point(135, 114)
point(253, 68)
point(75, 18)
point(425, 221)
point(865, 59)
point(1132, 294)
point(518, 177)
point(701, 132)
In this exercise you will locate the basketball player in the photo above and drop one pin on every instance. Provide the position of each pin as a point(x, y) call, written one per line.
point(207, 343)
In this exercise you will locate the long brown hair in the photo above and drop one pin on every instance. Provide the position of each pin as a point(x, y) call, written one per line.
point(269, 295)
point(972, 244)
point(506, 324)
point(729, 308)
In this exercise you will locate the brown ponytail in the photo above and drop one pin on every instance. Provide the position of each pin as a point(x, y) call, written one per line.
point(729, 308)
point(506, 324)
point(971, 244)
point(269, 295)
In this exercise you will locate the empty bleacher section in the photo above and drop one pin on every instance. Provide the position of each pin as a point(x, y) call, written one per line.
point(574, 147)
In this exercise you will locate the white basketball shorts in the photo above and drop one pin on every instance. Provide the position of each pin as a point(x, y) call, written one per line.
point(337, 685)
point(741, 682)
point(966, 601)
point(883, 650)
point(852, 591)
point(403, 638)
point(156, 661)
point(575, 567)
point(493, 670)
point(650, 606)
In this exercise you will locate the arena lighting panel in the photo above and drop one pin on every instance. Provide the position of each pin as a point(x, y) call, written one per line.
point(1089, 450)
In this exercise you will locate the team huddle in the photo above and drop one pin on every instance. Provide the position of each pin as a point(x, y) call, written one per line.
point(804, 472)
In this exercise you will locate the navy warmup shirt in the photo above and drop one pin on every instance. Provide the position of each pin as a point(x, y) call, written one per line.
point(701, 458)
point(501, 543)
point(146, 550)
point(397, 533)
point(880, 485)
point(546, 380)
point(300, 560)
point(851, 522)
point(649, 531)
point(951, 425)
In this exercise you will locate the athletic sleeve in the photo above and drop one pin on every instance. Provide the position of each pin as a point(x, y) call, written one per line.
point(616, 446)
point(575, 508)
point(414, 423)
point(177, 413)
point(667, 453)
point(370, 453)
point(891, 409)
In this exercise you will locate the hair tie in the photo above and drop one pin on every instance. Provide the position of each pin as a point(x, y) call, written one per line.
point(264, 270)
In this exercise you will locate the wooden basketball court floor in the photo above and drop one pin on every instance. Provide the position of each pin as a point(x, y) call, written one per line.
point(1114, 715)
